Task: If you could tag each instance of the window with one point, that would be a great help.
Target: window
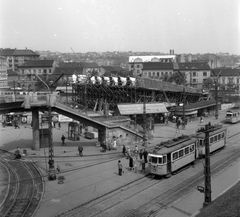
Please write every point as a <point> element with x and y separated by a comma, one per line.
<point>154,159</point>
<point>50,71</point>
<point>160,160</point>
<point>149,74</point>
<point>191,148</point>
<point>201,142</point>
<point>204,73</point>
<point>175,155</point>
<point>162,73</point>
<point>181,153</point>
<point>219,136</point>
<point>215,138</point>
<point>153,73</point>
<point>166,73</point>
<point>137,66</point>
<point>211,139</point>
<point>194,74</point>
<point>45,71</point>
<point>223,135</point>
<point>194,80</point>
<point>186,150</point>
<point>138,71</point>
<point>164,159</point>
<point>157,74</point>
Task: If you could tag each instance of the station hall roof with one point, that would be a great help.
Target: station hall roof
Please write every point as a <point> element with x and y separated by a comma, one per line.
<point>17,52</point>
<point>135,109</point>
<point>197,105</point>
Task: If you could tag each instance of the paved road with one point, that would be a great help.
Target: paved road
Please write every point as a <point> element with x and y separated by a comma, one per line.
<point>82,185</point>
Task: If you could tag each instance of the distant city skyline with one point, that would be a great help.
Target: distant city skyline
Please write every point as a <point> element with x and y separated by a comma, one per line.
<point>185,26</point>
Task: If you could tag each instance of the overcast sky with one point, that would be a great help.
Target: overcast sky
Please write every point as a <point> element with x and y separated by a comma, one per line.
<point>187,26</point>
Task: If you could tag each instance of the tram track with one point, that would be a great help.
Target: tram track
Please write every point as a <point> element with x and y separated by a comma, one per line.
<point>25,189</point>
<point>103,204</point>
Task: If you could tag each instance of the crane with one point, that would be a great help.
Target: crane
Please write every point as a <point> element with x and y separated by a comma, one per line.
<point>74,54</point>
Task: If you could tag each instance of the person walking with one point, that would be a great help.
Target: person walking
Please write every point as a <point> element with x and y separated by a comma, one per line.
<point>80,150</point>
<point>143,165</point>
<point>141,154</point>
<point>145,154</point>
<point>59,125</point>
<point>120,167</point>
<point>63,140</point>
<point>124,150</point>
<point>130,163</point>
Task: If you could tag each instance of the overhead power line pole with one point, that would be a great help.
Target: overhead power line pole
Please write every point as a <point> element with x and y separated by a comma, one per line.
<point>208,190</point>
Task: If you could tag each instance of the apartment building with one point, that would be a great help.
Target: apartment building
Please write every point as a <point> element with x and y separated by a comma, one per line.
<point>3,73</point>
<point>228,78</point>
<point>195,72</point>
<point>16,57</point>
<point>157,69</point>
<point>135,63</point>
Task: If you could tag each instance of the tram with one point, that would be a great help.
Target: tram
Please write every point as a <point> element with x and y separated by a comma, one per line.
<point>170,156</point>
<point>233,115</point>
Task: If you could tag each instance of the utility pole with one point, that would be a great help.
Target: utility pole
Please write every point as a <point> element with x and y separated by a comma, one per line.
<point>144,121</point>
<point>14,90</point>
<point>184,101</point>
<point>208,190</point>
<point>216,97</point>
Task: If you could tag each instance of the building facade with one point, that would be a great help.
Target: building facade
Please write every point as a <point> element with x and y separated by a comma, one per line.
<point>16,57</point>
<point>195,73</point>
<point>227,78</point>
<point>3,73</point>
<point>157,70</point>
<point>135,63</point>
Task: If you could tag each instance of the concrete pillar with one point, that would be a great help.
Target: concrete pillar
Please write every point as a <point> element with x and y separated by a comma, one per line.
<point>35,128</point>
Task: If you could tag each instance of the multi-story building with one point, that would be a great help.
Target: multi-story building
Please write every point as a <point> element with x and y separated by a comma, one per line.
<point>28,70</point>
<point>135,63</point>
<point>157,69</point>
<point>3,73</point>
<point>16,57</point>
<point>227,78</point>
<point>195,73</point>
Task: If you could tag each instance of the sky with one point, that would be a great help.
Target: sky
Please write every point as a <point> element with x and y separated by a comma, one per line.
<point>186,26</point>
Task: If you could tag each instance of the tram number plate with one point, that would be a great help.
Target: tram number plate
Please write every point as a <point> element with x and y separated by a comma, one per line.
<point>200,188</point>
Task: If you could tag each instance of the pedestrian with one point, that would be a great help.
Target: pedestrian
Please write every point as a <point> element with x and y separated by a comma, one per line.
<point>136,149</point>
<point>120,167</point>
<point>145,154</point>
<point>141,154</point>
<point>63,140</point>
<point>59,125</point>
<point>80,150</point>
<point>130,163</point>
<point>128,152</point>
<point>143,165</point>
<point>135,165</point>
<point>17,153</point>
<point>201,119</point>
<point>124,150</point>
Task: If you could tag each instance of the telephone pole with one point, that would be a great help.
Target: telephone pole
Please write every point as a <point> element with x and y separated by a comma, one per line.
<point>144,121</point>
<point>208,190</point>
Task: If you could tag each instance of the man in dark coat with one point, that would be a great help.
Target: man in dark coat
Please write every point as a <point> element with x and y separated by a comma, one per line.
<point>63,140</point>
<point>145,154</point>
<point>80,150</point>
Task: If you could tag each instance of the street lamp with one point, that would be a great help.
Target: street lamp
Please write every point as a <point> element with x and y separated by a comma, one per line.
<point>51,171</point>
<point>184,98</point>
<point>144,121</point>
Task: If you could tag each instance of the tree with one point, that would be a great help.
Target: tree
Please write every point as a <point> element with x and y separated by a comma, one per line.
<point>177,78</point>
<point>208,83</point>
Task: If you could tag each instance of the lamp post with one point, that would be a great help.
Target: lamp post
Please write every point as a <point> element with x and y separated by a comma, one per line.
<point>184,98</point>
<point>67,91</point>
<point>51,169</point>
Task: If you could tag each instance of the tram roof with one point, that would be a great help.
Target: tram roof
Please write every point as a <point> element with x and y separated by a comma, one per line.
<point>165,149</point>
<point>202,134</point>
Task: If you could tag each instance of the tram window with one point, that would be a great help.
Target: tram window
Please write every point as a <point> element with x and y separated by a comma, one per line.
<point>219,136</point>
<point>150,159</point>
<point>160,160</point>
<point>191,148</point>
<point>186,150</point>
<point>215,138</point>
<point>211,139</point>
<point>164,159</point>
<point>223,135</point>
<point>154,160</point>
<point>175,155</point>
<point>181,153</point>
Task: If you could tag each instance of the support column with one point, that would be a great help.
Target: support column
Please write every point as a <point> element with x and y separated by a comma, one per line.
<point>35,128</point>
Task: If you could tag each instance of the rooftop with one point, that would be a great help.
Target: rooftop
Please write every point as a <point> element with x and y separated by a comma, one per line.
<point>37,63</point>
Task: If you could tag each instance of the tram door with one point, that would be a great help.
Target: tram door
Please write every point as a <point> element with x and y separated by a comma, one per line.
<point>169,167</point>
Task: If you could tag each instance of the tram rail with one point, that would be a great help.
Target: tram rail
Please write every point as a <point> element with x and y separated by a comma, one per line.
<point>27,186</point>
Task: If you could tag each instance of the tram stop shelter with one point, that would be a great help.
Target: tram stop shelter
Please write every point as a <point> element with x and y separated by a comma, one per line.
<point>198,109</point>
<point>158,111</point>
<point>74,131</point>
